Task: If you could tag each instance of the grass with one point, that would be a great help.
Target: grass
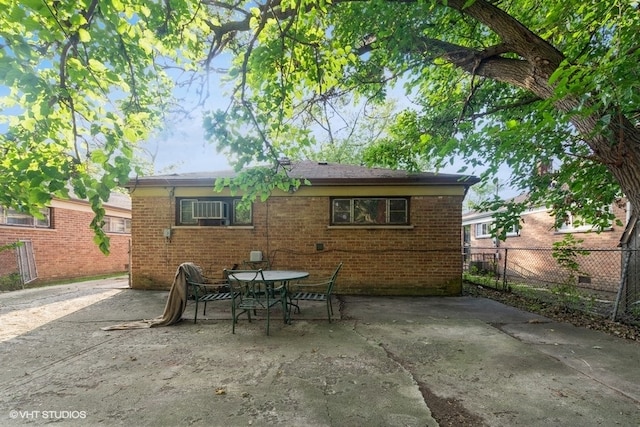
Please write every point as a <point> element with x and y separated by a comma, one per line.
<point>537,296</point>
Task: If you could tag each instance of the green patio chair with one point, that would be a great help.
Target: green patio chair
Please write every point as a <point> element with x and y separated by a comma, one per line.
<point>250,293</point>
<point>204,290</point>
<point>318,291</point>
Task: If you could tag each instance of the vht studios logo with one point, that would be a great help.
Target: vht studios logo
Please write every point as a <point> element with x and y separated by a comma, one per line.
<point>54,415</point>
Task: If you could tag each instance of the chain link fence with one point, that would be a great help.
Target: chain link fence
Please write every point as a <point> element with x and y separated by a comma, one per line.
<point>605,282</point>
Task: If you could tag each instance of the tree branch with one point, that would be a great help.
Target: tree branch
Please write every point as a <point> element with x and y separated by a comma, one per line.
<point>512,32</point>
<point>520,103</point>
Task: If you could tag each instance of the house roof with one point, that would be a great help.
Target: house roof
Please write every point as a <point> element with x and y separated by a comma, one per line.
<point>116,199</point>
<point>119,200</point>
<point>318,173</point>
<point>474,215</point>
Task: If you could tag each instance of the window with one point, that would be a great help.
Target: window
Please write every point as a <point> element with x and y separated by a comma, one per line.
<point>210,211</point>
<point>20,219</point>
<point>369,211</point>
<point>241,216</point>
<point>514,230</point>
<point>574,224</point>
<point>483,229</point>
<point>114,224</point>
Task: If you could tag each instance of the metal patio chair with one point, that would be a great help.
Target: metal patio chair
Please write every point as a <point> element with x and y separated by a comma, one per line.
<point>318,291</point>
<point>204,290</point>
<point>250,293</point>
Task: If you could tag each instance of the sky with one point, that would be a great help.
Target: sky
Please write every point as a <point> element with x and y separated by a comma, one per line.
<point>185,149</point>
<point>182,147</point>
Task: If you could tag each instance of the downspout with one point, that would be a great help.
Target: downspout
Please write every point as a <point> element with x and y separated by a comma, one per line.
<point>267,233</point>
<point>168,231</point>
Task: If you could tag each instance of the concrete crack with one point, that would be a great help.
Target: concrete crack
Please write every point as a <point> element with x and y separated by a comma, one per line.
<point>446,411</point>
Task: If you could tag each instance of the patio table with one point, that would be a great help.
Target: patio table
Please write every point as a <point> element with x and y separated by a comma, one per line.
<point>271,276</point>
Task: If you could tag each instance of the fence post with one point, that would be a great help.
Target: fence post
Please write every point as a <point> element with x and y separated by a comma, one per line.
<point>504,270</point>
<point>623,282</point>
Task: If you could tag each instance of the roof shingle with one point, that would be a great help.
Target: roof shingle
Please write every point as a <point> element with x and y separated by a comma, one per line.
<point>319,173</point>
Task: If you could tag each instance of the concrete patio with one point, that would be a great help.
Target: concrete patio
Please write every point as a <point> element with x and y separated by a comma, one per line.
<point>384,362</point>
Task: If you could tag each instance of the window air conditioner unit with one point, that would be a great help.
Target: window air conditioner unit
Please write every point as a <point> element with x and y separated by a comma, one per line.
<point>210,210</point>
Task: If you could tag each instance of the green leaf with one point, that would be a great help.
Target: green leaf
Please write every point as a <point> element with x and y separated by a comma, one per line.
<point>84,35</point>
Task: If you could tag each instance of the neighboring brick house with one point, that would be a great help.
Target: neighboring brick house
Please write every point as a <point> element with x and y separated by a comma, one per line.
<point>61,245</point>
<point>529,246</point>
<point>396,232</point>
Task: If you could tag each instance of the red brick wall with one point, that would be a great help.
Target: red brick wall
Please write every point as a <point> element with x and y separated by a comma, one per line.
<point>423,260</point>
<point>537,232</point>
<point>67,250</point>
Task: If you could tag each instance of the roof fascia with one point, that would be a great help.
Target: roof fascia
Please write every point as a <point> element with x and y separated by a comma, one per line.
<point>209,182</point>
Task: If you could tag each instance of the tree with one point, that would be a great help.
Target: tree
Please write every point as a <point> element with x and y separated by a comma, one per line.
<point>363,134</point>
<point>82,83</point>
<point>479,194</point>
<point>524,82</point>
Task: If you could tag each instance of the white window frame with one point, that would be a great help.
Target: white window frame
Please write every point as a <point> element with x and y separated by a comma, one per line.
<point>13,218</point>
<point>483,230</point>
<point>514,231</point>
<point>115,224</point>
<point>568,227</point>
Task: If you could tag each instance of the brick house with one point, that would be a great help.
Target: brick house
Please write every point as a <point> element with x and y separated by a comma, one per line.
<point>529,246</point>
<point>60,246</point>
<point>396,232</point>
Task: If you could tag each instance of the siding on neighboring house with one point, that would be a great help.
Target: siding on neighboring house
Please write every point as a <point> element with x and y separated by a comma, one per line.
<point>294,231</point>
<point>67,250</point>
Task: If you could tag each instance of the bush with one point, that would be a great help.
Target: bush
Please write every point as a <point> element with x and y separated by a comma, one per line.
<point>10,282</point>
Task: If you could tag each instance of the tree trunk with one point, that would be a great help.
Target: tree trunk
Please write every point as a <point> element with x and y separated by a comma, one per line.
<point>618,148</point>
<point>537,60</point>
